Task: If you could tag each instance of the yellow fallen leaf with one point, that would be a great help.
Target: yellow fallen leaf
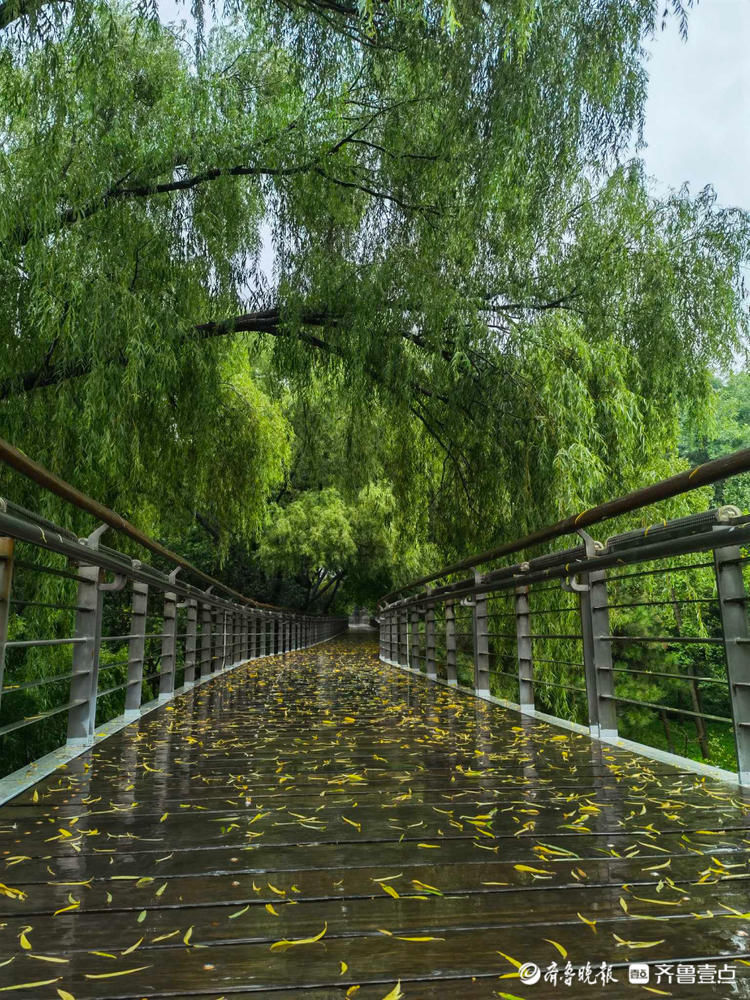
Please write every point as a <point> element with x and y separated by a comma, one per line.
<point>131,949</point>
<point>513,961</point>
<point>351,822</point>
<point>622,943</point>
<point>163,817</point>
<point>10,892</point>
<point>559,947</point>
<point>532,871</point>
<point>432,846</point>
<point>49,958</point>
<point>66,909</point>
<point>30,986</point>
<point>426,887</point>
<point>590,923</point>
<point>399,937</point>
<point>239,913</point>
<point>270,908</point>
<point>352,990</point>
<point>111,975</point>
<point>187,935</point>
<point>166,937</point>
<point>25,943</point>
<point>343,967</point>
<point>64,995</point>
<point>284,944</point>
<point>396,993</point>
<point>390,890</point>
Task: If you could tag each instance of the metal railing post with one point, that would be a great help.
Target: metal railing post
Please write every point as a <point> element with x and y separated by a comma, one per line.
<point>136,649</point>
<point>429,641</point>
<point>191,626</point>
<point>168,646</point>
<point>730,587</point>
<point>414,639</point>
<point>224,639</point>
<point>88,633</point>
<point>450,643</point>
<point>523,647</point>
<point>262,625</point>
<point>481,646</point>
<point>206,643</point>
<point>244,635</point>
<point>402,649</point>
<point>7,546</point>
<point>232,626</point>
<point>597,654</point>
<point>253,635</point>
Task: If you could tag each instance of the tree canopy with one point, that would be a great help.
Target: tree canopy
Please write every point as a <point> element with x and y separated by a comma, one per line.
<point>392,267</point>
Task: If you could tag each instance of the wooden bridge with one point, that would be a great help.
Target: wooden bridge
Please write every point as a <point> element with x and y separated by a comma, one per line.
<point>318,825</point>
<point>298,813</point>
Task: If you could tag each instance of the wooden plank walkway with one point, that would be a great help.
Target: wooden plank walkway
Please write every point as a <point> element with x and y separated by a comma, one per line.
<point>435,839</point>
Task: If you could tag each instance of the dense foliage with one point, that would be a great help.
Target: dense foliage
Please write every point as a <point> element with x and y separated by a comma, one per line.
<point>386,252</point>
<point>326,294</point>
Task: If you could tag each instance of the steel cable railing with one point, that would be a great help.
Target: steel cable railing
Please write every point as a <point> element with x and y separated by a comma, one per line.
<point>641,637</point>
<point>89,634</point>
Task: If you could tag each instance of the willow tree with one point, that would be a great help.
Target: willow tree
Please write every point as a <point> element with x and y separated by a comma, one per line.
<point>456,247</point>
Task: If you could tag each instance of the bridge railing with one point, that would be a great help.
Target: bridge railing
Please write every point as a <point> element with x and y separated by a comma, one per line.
<point>641,638</point>
<point>89,634</point>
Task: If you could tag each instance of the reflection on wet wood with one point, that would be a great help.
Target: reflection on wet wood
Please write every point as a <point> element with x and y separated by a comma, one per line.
<point>408,833</point>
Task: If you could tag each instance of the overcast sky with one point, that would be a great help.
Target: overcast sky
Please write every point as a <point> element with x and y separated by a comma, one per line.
<point>698,111</point>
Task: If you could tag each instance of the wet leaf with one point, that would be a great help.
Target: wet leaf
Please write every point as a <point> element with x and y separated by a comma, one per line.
<point>11,893</point>
<point>396,993</point>
<point>513,961</point>
<point>622,943</point>
<point>563,951</point>
<point>112,975</point>
<point>30,986</point>
<point>67,909</point>
<point>131,949</point>
<point>284,944</point>
<point>400,937</point>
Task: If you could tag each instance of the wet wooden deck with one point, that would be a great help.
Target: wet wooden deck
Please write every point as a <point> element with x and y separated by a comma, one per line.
<point>433,838</point>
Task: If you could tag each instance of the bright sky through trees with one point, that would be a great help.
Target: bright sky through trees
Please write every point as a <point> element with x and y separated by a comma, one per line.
<point>699,100</point>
